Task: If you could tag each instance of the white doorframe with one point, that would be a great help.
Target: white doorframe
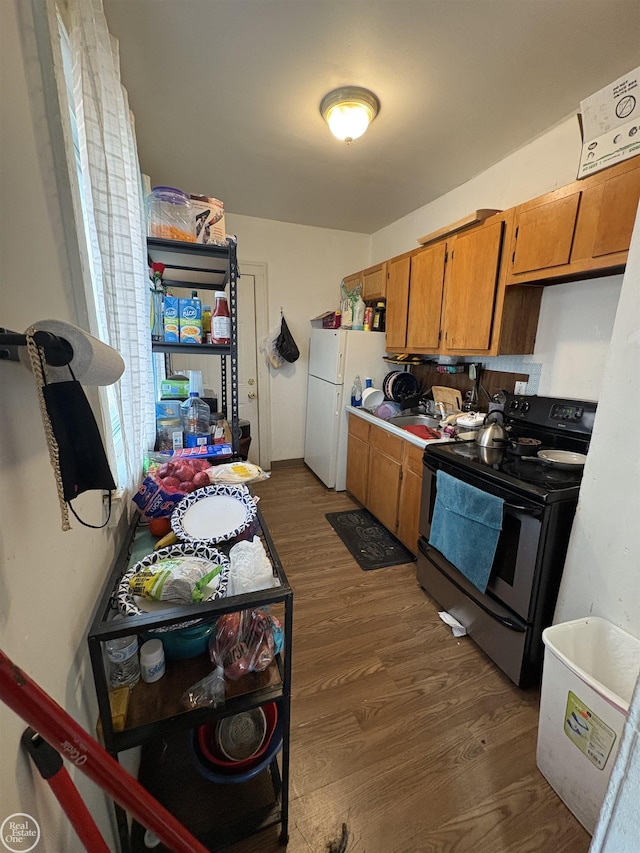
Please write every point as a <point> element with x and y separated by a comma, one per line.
<point>259,272</point>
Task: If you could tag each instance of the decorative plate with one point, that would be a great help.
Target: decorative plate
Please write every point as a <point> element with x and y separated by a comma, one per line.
<point>135,605</point>
<point>213,514</point>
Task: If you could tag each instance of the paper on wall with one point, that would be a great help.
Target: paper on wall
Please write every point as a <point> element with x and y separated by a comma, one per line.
<point>610,122</point>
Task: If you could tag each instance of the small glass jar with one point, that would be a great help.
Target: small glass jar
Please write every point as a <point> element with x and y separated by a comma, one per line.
<point>170,215</point>
<point>168,434</point>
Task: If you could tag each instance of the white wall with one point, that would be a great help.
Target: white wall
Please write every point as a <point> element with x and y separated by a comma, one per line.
<point>305,268</point>
<point>574,330</point>
<point>602,574</point>
<point>49,580</point>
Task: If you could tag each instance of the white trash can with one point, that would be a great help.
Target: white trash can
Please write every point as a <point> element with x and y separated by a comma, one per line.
<point>590,670</point>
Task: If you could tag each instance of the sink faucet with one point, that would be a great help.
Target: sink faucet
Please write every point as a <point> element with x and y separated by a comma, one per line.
<point>440,409</point>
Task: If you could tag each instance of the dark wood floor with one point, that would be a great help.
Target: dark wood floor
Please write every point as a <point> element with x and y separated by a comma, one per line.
<point>411,737</point>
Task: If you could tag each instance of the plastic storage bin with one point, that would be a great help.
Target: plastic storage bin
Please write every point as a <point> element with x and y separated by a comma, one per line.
<point>170,215</point>
<point>590,670</point>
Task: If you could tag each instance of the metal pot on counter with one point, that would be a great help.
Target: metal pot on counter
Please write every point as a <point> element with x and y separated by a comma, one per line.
<point>492,434</point>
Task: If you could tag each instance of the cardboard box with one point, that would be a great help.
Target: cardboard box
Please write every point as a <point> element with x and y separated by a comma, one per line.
<point>328,320</point>
<point>209,215</point>
<point>609,122</point>
<point>171,325</point>
<point>190,321</point>
<point>174,388</point>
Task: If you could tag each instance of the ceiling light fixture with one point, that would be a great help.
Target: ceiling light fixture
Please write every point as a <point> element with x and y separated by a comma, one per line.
<point>349,111</point>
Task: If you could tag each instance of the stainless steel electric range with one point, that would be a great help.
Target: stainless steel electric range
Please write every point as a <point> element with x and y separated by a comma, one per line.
<point>507,620</point>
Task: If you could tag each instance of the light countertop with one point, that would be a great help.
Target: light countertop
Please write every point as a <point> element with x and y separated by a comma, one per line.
<point>395,430</point>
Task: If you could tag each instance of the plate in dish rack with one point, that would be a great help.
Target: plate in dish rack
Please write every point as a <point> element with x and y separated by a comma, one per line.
<point>135,605</point>
<point>213,514</point>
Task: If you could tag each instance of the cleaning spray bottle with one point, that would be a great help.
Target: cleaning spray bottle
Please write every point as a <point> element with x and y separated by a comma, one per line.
<point>356,392</point>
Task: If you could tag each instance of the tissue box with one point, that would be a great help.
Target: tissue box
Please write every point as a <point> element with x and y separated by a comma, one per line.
<point>171,326</point>
<point>209,220</point>
<point>190,321</point>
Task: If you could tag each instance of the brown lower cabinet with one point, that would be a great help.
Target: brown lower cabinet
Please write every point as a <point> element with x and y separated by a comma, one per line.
<point>384,473</point>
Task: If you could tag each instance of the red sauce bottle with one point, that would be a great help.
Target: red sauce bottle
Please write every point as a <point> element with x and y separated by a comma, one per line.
<point>220,321</point>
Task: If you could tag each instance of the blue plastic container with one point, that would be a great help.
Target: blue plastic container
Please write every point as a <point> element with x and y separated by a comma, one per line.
<point>183,643</point>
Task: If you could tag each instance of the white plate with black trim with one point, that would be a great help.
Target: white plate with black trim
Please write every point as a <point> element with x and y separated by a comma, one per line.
<point>214,514</point>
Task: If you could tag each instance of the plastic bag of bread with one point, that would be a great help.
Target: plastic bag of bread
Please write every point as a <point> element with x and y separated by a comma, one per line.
<point>245,641</point>
<point>236,472</point>
<point>179,579</point>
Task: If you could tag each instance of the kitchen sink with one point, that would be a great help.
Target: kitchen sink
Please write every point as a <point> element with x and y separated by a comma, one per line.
<point>415,420</point>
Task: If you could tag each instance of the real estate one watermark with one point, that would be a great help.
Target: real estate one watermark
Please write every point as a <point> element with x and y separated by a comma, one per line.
<point>20,832</point>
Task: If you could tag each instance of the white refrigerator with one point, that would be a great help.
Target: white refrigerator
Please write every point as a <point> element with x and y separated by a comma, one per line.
<point>336,357</point>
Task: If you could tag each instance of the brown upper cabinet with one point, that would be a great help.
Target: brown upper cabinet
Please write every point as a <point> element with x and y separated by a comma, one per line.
<point>470,288</point>
<point>478,291</point>
<point>450,297</point>
<point>414,299</point>
<point>374,282</point>
<point>578,231</point>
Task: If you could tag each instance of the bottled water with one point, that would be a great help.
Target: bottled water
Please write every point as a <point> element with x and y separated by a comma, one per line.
<point>195,414</point>
<point>124,666</point>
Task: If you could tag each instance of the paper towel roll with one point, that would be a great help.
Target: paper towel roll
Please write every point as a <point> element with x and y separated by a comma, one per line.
<point>93,362</point>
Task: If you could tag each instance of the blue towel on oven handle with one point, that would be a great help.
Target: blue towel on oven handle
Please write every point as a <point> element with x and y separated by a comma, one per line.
<point>466,527</point>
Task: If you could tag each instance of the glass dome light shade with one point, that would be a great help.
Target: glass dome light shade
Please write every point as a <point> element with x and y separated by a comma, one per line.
<point>349,111</point>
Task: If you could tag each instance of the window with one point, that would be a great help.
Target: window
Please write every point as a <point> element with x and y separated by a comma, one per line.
<point>109,217</point>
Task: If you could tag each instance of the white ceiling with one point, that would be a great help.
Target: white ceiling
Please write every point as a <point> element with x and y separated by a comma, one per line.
<point>226,94</point>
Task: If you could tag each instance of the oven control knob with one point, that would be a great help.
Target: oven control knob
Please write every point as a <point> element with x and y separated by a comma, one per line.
<point>514,404</point>
<point>526,405</point>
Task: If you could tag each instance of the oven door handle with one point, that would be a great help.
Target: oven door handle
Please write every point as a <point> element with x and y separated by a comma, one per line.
<point>503,620</point>
<point>530,510</point>
<point>533,510</point>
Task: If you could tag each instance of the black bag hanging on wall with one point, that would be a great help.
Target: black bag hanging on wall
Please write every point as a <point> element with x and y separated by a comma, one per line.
<point>75,444</point>
<point>286,345</point>
<point>83,462</point>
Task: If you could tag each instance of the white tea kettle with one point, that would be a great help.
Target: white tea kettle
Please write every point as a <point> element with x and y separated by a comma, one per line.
<point>492,433</point>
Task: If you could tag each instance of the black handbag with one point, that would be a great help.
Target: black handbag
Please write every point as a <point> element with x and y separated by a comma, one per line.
<point>286,345</point>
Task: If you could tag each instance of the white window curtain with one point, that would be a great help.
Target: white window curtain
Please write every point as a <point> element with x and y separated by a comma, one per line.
<point>114,216</point>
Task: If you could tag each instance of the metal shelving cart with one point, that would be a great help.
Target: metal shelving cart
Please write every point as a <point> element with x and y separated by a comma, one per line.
<point>216,814</point>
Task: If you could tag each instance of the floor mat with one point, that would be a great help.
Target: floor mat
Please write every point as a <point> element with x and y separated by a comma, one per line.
<point>368,541</point>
